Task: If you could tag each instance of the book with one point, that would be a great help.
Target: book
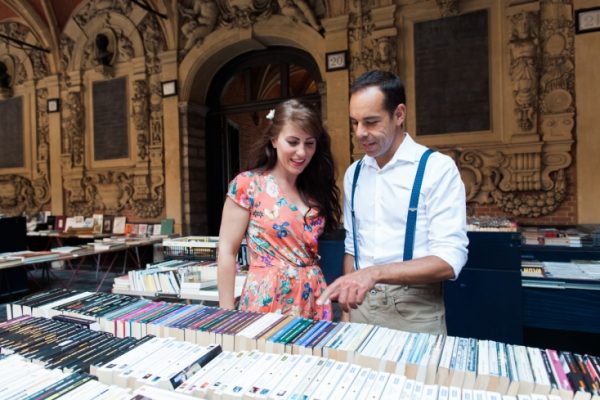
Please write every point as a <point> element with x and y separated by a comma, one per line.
<point>98,223</point>
<point>575,375</point>
<point>167,226</point>
<point>119,223</point>
<point>60,223</point>
<point>344,383</point>
<point>107,224</point>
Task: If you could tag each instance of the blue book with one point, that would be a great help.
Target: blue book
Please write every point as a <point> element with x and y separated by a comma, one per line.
<point>277,335</point>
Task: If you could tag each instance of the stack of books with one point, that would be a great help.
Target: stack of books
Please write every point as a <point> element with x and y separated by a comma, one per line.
<point>491,224</point>
<point>179,278</point>
<point>554,237</point>
<point>22,379</point>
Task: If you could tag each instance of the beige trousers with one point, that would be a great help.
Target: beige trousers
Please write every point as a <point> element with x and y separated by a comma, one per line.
<point>415,308</point>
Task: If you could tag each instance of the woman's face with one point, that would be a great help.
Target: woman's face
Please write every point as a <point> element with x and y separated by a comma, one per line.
<point>295,148</point>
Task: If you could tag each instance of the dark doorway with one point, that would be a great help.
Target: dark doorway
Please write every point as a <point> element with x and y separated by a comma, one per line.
<point>240,96</point>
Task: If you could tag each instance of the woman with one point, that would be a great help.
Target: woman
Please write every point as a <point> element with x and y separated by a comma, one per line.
<point>281,204</point>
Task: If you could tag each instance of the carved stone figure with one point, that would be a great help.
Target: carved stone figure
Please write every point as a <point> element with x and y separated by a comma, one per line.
<point>385,57</point>
<point>448,7</point>
<point>66,48</point>
<point>523,71</point>
<point>103,55</point>
<point>74,124</point>
<point>556,73</point>
<point>125,47</point>
<point>243,13</point>
<point>200,20</point>
<point>140,105</point>
<point>4,76</point>
<point>299,11</point>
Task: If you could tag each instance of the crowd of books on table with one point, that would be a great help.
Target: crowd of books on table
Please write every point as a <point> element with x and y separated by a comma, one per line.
<point>214,353</point>
<point>172,277</point>
<point>580,236</point>
<point>588,270</point>
<point>98,224</point>
<point>190,267</point>
<point>104,233</point>
<point>491,224</point>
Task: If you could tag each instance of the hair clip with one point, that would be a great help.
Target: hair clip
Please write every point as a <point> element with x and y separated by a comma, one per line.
<point>271,114</point>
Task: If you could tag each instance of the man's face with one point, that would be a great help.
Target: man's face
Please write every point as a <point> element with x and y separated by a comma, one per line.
<point>378,132</point>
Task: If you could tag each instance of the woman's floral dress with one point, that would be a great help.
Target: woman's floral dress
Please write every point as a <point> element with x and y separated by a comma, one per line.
<point>284,274</point>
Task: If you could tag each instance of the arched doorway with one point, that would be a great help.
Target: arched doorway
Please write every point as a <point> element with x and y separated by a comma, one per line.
<point>239,97</point>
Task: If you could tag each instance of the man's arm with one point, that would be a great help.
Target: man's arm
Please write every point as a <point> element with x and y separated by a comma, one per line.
<point>351,289</point>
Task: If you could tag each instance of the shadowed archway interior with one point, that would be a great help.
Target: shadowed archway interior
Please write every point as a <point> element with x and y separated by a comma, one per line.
<point>239,98</point>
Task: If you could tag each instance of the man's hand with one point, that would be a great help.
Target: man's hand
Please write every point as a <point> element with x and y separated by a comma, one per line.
<point>350,290</point>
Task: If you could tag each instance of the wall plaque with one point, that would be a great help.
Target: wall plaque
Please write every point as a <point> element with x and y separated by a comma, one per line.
<point>452,74</point>
<point>11,133</point>
<point>111,137</point>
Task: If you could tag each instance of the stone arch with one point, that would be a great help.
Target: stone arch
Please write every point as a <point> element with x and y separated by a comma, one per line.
<point>223,45</point>
<point>196,71</point>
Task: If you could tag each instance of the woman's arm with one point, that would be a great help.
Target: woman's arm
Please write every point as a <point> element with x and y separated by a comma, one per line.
<point>234,224</point>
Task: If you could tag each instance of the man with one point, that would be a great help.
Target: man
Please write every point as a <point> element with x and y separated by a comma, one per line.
<point>382,283</point>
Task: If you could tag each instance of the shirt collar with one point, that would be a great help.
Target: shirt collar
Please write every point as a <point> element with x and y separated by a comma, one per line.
<point>407,152</point>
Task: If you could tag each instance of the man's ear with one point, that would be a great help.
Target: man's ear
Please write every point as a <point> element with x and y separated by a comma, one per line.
<point>400,114</point>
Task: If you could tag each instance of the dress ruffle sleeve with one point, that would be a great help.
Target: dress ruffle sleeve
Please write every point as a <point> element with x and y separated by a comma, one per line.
<point>242,189</point>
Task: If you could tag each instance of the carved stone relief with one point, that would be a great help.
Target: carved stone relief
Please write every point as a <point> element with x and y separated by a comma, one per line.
<point>66,49</point>
<point>93,8</point>
<point>73,132</point>
<point>372,43</point>
<point>140,117</point>
<point>524,175</point>
<point>154,43</point>
<point>20,195</point>
<point>41,176</point>
<point>243,13</point>
<point>29,191</point>
<point>124,47</point>
<point>372,38</point>
<point>113,189</point>
<point>299,11</point>
<point>448,7</point>
<point>20,73</point>
<point>524,61</point>
<point>528,179</point>
<point>198,19</point>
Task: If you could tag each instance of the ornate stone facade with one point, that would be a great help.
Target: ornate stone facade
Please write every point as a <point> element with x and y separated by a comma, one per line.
<point>134,185</point>
<point>27,189</point>
<point>520,167</point>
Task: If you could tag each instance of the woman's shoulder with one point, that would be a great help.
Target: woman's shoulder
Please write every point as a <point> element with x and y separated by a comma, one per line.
<point>248,180</point>
<point>250,175</point>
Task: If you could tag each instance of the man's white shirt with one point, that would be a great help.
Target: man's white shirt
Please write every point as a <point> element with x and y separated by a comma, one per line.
<point>381,204</point>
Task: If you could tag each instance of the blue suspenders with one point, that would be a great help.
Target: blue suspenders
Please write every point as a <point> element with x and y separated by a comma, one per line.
<point>411,220</point>
<point>354,180</point>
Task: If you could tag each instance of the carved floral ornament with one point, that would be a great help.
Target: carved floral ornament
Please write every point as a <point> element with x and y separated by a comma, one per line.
<point>20,195</point>
<point>515,183</point>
